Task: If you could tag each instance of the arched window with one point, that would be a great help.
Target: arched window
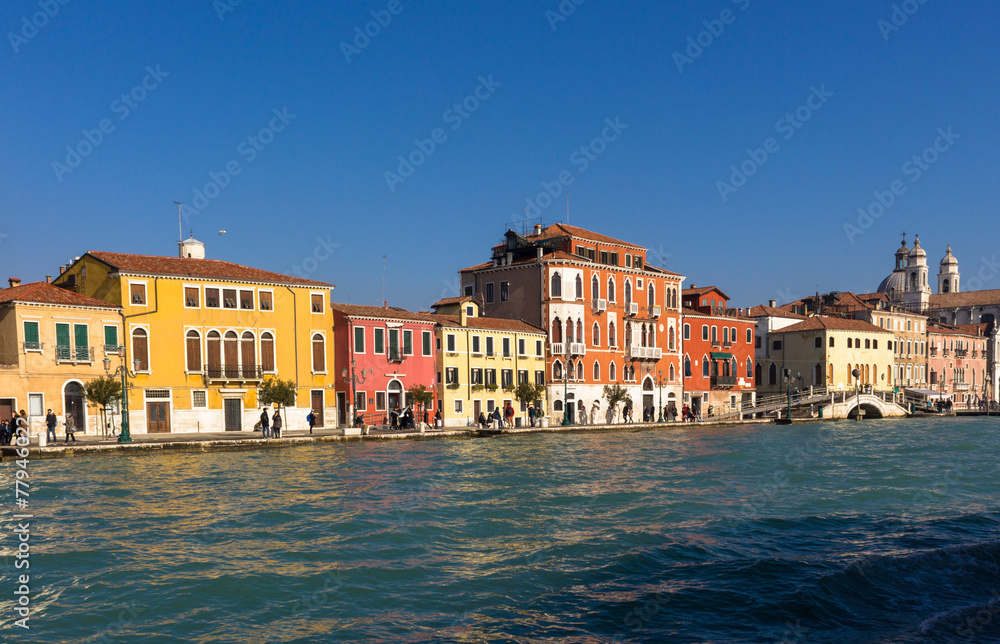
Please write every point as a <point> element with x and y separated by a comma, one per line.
<point>557,370</point>
<point>772,374</point>
<point>687,366</point>
<point>715,334</point>
<point>557,406</point>
<point>831,341</point>
<point>214,345</point>
<point>758,374</point>
<point>628,334</point>
<point>569,331</point>
<point>579,287</point>
<point>597,371</point>
<point>579,370</point>
<point>612,371</point>
<point>595,288</point>
<point>611,289</point>
<point>673,300</point>
<point>945,287</point>
<point>140,348</point>
<point>579,332</point>
<point>596,335</point>
<point>556,331</point>
<point>628,292</point>
<point>248,355</point>
<point>193,351</point>
<point>267,352</point>
<point>231,354</point>
<point>671,339</point>
<point>849,343</point>
<point>704,367</point>
<point>829,374</point>
<point>652,295</point>
<point>673,374</point>
<point>319,353</point>
<point>725,334</point>
<point>749,368</point>
<point>652,335</point>
<point>687,331</point>
<point>645,338</point>
<point>734,368</point>
<point>556,290</point>
<point>612,341</point>
<point>570,371</point>
<point>749,336</point>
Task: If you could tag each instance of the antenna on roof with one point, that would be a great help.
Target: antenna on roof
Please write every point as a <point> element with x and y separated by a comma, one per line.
<point>180,226</point>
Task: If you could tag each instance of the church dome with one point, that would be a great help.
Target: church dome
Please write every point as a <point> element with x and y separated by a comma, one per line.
<point>949,259</point>
<point>895,283</point>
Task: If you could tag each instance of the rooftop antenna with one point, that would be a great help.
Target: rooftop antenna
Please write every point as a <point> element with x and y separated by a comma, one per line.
<point>180,227</point>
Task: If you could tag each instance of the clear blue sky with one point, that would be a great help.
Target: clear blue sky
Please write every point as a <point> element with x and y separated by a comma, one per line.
<point>323,175</point>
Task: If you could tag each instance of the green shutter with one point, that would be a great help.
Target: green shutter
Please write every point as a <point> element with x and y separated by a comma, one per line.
<point>359,339</point>
<point>62,342</point>
<point>111,336</point>
<point>394,342</point>
<point>31,335</point>
<point>82,341</point>
<point>379,340</point>
<point>427,343</point>
<point>407,343</point>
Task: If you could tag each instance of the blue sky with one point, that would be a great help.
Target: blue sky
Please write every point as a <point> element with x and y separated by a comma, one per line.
<point>314,196</point>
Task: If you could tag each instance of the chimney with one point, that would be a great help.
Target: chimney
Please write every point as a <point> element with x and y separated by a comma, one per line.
<point>693,286</point>
<point>538,229</point>
<point>48,279</point>
<point>62,269</point>
<point>14,281</point>
<point>772,303</point>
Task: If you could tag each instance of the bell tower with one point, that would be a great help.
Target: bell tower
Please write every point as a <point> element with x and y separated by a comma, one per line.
<point>948,275</point>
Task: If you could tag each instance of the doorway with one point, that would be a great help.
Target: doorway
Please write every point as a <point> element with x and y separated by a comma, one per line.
<point>74,404</point>
<point>395,396</point>
<point>233,410</point>
<point>342,408</point>
<point>157,417</point>
<point>7,406</point>
<point>317,406</point>
<point>477,408</point>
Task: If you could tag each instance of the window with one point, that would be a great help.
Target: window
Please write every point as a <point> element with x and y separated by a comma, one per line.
<point>491,377</point>
<point>246,300</point>
<point>451,342</point>
<point>31,338</point>
<point>193,351</point>
<point>613,259</point>
<point>687,366</point>
<point>611,290</point>
<point>504,291</point>
<point>211,298</point>
<point>476,377</point>
<point>831,342</point>
<point>725,334</point>
<point>489,293</point>
<point>394,344</point>
<point>539,377</point>
<point>214,354</point>
<point>522,350</point>
<point>199,399</point>
<point>458,405</point>
<point>597,370</point>
<point>612,340</point>
<point>379,341</point>
<point>507,378</point>
<point>749,369</point>
<point>137,293</point>
<point>715,334</point>
<point>749,336</point>
<point>556,289</point>
<point>868,343</point>
<point>489,346</point>
<point>36,405</point>
<point>267,352</point>
<point>111,339</point>
<point>140,348</point>
<point>704,332</point>
<point>595,288</point>
<point>451,375</point>
<point>687,331</point>
<point>360,401</point>
<point>319,353</point>
<point>579,287</point>
<point>426,348</point>
<point>704,366</point>
<point>850,343</point>
<point>596,335</point>
<point>819,342</point>
<point>191,297</point>
<point>637,262</point>
<point>776,346</point>
<point>604,257</point>
<point>248,355</point>
<point>264,299</point>
<point>476,344</point>
<point>229,298</point>
<point>317,302</point>
<point>612,372</point>
<point>407,343</point>
<point>628,261</point>
<point>539,348</point>
<point>359,339</point>
<point>379,401</point>
<point>506,347</point>
<point>467,289</point>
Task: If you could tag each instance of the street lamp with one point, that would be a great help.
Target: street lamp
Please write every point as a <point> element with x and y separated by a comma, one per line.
<point>659,382</point>
<point>354,380</point>
<point>857,391</point>
<point>124,436</point>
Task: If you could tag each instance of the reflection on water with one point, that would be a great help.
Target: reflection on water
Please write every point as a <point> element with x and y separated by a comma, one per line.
<point>876,531</point>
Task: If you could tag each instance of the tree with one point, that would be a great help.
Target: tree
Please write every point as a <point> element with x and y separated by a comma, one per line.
<point>104,391</point>
<point>529,394</point>
<point>616,394</point>
<point>275,391</point>
<point>420,395</point>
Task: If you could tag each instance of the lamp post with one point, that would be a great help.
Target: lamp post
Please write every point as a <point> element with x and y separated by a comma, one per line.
<point>353,381</point>
<point>124,436</point>
<point>857,391</point>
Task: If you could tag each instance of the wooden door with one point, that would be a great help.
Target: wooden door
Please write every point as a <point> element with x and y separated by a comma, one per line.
<point>157,417</point>
<point>6,408</point>
<point>317,407</point>
<point>233,409</point>
<point>342,408</point>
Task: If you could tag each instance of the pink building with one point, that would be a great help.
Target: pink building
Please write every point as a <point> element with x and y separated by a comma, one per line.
<point>382,352</point>
<point>957,362</point>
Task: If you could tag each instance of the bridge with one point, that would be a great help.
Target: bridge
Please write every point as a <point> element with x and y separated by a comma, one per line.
<point>826,403</point>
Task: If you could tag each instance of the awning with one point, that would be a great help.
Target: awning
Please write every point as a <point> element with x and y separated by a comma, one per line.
<point>928,393</point>
<point>722,356</point>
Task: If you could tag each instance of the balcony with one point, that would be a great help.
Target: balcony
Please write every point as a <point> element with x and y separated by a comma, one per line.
<point>724,382</point>
<point>716,344</point>
<point>74,354</point>
<point>578,349</point>
<point>655,312</point>
<point>726,344</point>
<point>645,353</point>
<point>395,355</point>
<point>231,373</point>
<point>31,346</point>
<point>600,306</point>
<point>932,351</point>
<point>961,353</point>
<point>962,386</point>
<point>558,348</point>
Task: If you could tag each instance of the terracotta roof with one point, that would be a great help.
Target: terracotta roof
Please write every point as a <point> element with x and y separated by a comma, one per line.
<point>686,312</point>
<point>969,298</point>
<point>490,324</point>
<point>44,293</point>
<point>701,290</point>
<point>947,329</point>
<point>565,230</point>
<point>391,313</point>
<point>762,311</point>
<point>559,255</point>
<point>200,268</point>
<point>819,322</point>
<point>452,300</point>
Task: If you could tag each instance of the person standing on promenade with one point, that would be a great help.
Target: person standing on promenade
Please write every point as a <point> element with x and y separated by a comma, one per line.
<point>531,415</point>
<point>311,419</point>
<point>508,413</point>
<point>4,429</point>
<point>276,423</point>
<point>265,422</point>
<point>50,427</point>
<point>70,427</point>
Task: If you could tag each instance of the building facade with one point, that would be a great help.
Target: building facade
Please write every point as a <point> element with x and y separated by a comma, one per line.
<point>957,359</point>
<point>606,311</point>
<point>206,334</point>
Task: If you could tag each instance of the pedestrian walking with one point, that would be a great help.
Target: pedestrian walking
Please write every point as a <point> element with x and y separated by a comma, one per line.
<point>70,427</point>
<point>276,424</point>
<point>265,423</point>
<point>311,419</point>
<point>50,427</point>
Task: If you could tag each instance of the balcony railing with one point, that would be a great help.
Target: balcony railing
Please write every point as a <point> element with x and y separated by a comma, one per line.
<point>724,382</point>
<point>961,353</point>
<point>234,372</point>
<point>577,348</point>
<point>645,353</point>
<point>655,311</point>
<point>74,354</point>
<point>726,344</point>
<point>933,352</point>
<point>31,346</point>
<point>716,344</point>
<point>395,355</point>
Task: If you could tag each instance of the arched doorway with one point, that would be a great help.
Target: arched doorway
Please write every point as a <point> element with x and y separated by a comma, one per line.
<point>74,403</point>
<point>647,393</point>
<point>395,394</point>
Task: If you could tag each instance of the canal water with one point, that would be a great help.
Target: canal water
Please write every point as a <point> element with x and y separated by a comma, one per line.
<point>880,531</point>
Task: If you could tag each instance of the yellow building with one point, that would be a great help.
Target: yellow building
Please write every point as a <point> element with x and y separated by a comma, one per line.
<point>206,333</point>
<point>482,360</point>
<point>52,342</point>
<point>824,351</point>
